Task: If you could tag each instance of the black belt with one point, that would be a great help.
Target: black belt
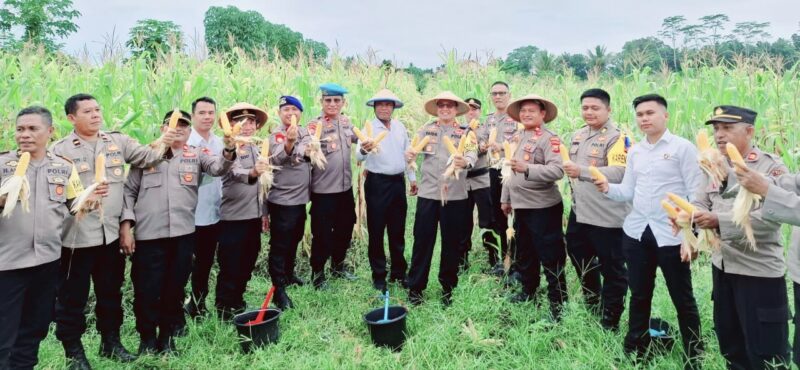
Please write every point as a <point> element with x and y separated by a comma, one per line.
<point>399,176</point>
<point>478,172</point>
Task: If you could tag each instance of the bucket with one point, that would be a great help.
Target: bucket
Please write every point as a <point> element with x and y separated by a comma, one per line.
<point>258,335</point>
<point>390,333</point>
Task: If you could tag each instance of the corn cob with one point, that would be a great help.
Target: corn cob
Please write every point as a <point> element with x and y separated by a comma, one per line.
<point>265,180</point>
<point>359,134</point>
<point>506,171</point>
<point>87,201</point>
<point>17,187</point>
<point>100,168</point>
<point>368,128</point>
<point>414,141</point>
<point>226,124</point>
<point>682,203</point>
<point>473,125</point>
<point>422,143</point>
<point>507,149</point>
<point>173,119</point>
<point>702,141</point>
<point>462,144</point>
<point>380,137</point>
<point>449,145</point>
<point>596,174</point>
<point>564,153</point>
<point>672,212</point>
<point>293,121</point>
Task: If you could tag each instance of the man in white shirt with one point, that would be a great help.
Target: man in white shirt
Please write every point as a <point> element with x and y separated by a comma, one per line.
<point>204,112</point>
<point>659,164</point>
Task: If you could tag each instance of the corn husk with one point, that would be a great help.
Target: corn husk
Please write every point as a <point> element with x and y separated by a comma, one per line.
<point>87,201</point>
<point>711,161</point>
<point>506,171</point>
<point>745,200</point>
<point>315,149</point>
<point>17,188</point>
<point>266,179</point>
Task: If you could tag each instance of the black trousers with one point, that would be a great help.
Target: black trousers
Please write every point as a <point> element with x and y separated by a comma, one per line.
<point>159,272</point>
<point>482,198</point>
<point>430,215</point>
<point>751,319</point>
<point>205,248</point>
<point>386,210</point>
<point>499,219</point>
<point>796,346</point>
<point>333,217</point>
<point>287,224</point>
<point>27,296</point>
<point>643,258</point>
<point>597,251</point>
<point>540,241</point>
<point>105,266</point>
<point>239,245</point>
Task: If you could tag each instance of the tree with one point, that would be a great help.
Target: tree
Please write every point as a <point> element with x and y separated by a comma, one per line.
<point>671,30</point>
<point>43,22</point>
<point>598,58</point>
<point>693,35</point>
<point>715,23</point>
<point>577,63</point>
<point>646,52</point>
<point>520,60</point>
<point>545,64</point>
<point>317,49</point>
<point>151,38</point>
<point>748,32</point>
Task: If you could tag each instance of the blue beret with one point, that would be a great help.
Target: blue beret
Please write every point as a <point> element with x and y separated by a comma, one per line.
<point>290,100</point>
<point>332,89</point>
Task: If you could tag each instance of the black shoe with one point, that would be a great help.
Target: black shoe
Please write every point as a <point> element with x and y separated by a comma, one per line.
<point>295,280</point>
<point>194,309</point>
<point>147,346</point>
<point>111,347</point>
<point>319,280</point>
<point>415,298</point>
<point>282,299</point>
<point>521,297</point>
<point>166,344</point>
<point>498,270</point>
<point>447,297</point>
<point>343,274</point>
<point>76,356</point>
<point>610,323</point>
<point>380,285</point>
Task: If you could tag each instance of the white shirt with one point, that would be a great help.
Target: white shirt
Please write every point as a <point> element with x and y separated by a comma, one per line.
<point>391,159</point>
<point>669,165</point>
<point>209,194</point>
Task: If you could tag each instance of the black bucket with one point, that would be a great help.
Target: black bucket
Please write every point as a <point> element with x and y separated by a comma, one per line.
<point>258,335</point>
<point>390,333</point>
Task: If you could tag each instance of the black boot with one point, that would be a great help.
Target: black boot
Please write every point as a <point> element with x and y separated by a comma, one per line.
<point>282,299</point>
<point>147,345</point>
<point>447,297</point>
<point>111,347</point>
<point>342,272</point>
<point>295,280</point>
<point>76,357</point>
<point>166,342</point>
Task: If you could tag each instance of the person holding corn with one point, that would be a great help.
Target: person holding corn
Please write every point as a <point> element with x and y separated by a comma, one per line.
<point>751,304</point>
<point>442,195</point>
<point>532,195</point>
<point>594,230</point>
<point>384,187</point>
<point>287,197</point>
<point>160,201</point>
<point>662,163</point>
<point>33,214</point>
<point>91,241</point>
<point>240,215</point>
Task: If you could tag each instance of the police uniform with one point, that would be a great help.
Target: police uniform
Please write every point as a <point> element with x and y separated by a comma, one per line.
<point>594,230</point>
<point>29,256</point>
<point>91,247</point>
<point>451,216</point>
<point>333,209</point>
<point>538,211</point>
<point>506,129</point>
<point>160,201</point>
<point>479,194</point>
<point>240,239</point>
<point>287,202</point>
<point>751,309</point>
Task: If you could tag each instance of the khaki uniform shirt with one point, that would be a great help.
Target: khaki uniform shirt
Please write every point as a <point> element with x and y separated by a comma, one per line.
<point>161,200</point>
<point>507,128</point>
<point>782,204</point>
<point>291,183</point>
<point>435,162</point>
<point>536,188</point>
<point>239,190</point>
<point>119,149</point>
<point>34,238</point>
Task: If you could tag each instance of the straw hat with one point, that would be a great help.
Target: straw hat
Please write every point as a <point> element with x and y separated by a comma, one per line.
<point>461,106</point>
<point>385,95</point>
<point>239,110</point>
<point>550,108</point>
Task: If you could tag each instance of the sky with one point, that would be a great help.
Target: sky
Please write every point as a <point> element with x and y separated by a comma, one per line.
<point>419,31</point>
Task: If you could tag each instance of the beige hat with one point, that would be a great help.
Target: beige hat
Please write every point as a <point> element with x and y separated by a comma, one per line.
<point>550,108</point>
<point>239,110</point>
<point>385,95</point>
<point>430,105</point>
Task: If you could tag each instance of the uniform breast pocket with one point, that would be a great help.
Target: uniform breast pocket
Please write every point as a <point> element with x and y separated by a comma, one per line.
<point>330,144</point>
<point>151,180</point>
<point>114,168</point>
<point>189,178</point>
<point>58,188</point>
<point>597,157</point>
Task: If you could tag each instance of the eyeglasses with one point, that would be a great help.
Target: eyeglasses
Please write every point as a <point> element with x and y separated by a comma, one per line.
<point>332,100</point>
<point>499,93</point>
<point>446,105</point>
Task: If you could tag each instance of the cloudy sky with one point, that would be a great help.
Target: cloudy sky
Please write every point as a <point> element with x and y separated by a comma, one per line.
<point>419,30</point>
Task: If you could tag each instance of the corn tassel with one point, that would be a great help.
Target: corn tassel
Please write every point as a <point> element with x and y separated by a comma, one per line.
<point>745,200</point>
<point>87,201</point>
<point>315,148</point>
<point>17,187</point>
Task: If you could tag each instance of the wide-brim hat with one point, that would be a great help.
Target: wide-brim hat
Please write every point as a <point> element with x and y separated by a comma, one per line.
<point>239,110</point>
<point>385,95</point>
<point>461,106</point>
<point>549,107</point>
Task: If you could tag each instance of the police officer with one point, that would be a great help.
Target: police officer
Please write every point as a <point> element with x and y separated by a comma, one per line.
<point>594,230</point>
<point>506,129</point>
<point>534,197</point>
<point>442,201</point>
<point>287,198</point>
<point>384,189</point>
<point>751,308</point>
<point>160,201</point>
<point>91,249</point>
<point>31,244</point>
<point>333,209</point>
<point>241,223</point>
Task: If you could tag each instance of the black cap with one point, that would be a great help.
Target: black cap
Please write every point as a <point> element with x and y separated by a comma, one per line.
<point>732,114</point>
<point>185,117</point>
<point>474,102</point>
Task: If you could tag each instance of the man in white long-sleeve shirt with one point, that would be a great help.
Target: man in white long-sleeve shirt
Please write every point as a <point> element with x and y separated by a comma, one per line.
<point>661,163</point>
